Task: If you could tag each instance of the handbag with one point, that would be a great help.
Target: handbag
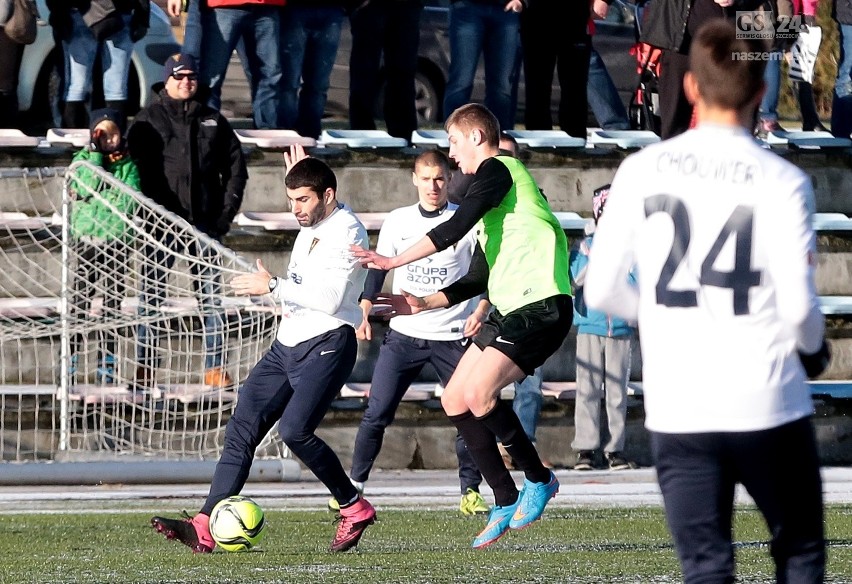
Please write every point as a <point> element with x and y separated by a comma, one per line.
<point>804,54</point>
<point>6,8</point>
<point>21,26</point>
<point>103,19</point>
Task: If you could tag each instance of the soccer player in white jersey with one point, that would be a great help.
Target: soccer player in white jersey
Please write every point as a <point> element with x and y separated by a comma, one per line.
<point>435,336</point>
<point>314,352</point>
<point>719,231</point>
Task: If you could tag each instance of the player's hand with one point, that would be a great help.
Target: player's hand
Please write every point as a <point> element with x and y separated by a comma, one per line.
<point>254,283</point>
<point>174,7</point>
<point>473,324</point>
<point>95,145</point>
<point>816,363</point>
<point>725,3</point>
<point>370,259</point>
<point>600,9</point>
<point>388,306</point>
<point>296,153</point>
<point>514,6</point>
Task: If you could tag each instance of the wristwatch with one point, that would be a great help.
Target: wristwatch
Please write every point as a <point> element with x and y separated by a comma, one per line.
<point>273,282</point>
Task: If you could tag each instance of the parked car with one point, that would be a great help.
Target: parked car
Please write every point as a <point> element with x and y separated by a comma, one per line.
<point>613,40</point>
<point>40,77</point>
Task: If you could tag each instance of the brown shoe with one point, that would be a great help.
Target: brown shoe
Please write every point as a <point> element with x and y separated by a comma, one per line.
<point>217,377</point>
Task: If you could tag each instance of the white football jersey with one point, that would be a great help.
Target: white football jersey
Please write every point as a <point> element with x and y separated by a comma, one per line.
<point>402,228</point>
<point>324,279</point>
<point>719,231</point>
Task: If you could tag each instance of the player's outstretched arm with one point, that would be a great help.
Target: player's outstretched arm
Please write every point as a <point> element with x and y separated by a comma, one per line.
<point>372,260</point>
<point>252,284</point>
<point>407,303</point>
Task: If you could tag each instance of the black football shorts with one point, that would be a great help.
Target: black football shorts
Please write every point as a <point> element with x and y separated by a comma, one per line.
<point>530,334</point>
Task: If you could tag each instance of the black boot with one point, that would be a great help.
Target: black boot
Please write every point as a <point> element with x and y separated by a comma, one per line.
<point>74,115</point>
<point>810,118</point>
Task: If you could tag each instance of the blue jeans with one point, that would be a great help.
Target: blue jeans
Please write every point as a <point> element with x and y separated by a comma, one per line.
<point>603,97</point>
<point>259,27</point>
<point>155,274</point>
<point>192,31</point>
<point>309,39</point>
<point>80,54</point>
<point>841,109</point>
<point>527,402</point>
<point>484,29</point>
<point>772,78</point>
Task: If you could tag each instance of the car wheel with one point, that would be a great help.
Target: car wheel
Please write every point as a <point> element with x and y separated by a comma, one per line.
<point>427,100</point>
<point>44,113</point>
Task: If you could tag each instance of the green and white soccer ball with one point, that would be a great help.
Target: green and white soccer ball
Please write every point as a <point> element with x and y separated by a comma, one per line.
<point>237,524</point>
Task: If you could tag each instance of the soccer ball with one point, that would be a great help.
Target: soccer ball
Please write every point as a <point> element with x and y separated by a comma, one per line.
<point>237,524</point>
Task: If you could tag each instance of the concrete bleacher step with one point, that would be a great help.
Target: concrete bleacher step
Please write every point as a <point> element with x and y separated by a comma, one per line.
<point>20,390</point>
<point>437,138</point>
<point>76,137</point>
<point>185,393</point>
<point>274,139</point>
<point>93,394</point>
<point>546,139</point>
<point>621,138</point>
<point>16,139</point>
<point>807,140</point>
<point>361,139</point>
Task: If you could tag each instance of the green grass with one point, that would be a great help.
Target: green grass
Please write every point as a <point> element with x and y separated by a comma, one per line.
<point>569,545</point>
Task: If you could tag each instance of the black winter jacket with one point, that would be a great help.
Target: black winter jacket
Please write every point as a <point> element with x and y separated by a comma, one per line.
<point>190,161</point>
<point>666,24</point>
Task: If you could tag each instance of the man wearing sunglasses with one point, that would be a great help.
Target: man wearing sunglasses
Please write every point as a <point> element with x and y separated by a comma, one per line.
<point>191,163</point>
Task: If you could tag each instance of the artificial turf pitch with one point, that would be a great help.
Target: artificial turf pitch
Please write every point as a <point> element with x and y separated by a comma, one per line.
<point>568,545</point>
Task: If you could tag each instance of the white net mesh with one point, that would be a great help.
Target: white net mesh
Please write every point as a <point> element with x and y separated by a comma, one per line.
<point>117,336</point>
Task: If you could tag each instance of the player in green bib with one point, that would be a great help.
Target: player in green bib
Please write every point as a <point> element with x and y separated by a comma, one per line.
<point>521,260</point>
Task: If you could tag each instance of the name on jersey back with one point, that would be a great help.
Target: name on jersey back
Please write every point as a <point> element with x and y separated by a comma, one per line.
<point>717,169</point>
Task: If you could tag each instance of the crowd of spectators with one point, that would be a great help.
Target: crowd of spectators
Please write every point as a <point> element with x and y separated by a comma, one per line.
<point>288,49</point>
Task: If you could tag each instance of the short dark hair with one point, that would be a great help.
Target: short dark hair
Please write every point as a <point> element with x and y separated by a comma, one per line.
<point>432,158</point>
<point>475,116</point>
<point>312,173</point>
<point>511,140</point>
<point>724,77</point>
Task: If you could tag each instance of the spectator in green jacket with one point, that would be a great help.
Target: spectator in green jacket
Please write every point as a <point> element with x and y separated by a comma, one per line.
<point>101,217</point>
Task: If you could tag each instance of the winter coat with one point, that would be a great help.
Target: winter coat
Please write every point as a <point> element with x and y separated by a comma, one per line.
<point>93,217</point>
<point>664,23</point>
<point>190,161</point>
<point>587,320</point>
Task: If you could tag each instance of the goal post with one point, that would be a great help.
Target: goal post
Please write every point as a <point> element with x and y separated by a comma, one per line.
<point>123,307</point>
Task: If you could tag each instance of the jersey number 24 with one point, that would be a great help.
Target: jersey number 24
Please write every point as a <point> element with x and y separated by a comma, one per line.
<point>739,225</point>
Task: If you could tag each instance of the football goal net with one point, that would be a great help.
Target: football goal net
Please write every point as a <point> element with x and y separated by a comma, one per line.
<point>118,333</point>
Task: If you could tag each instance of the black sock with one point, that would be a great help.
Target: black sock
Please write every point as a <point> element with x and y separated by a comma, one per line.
<point>504,423</point>
<point>483,448</point>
